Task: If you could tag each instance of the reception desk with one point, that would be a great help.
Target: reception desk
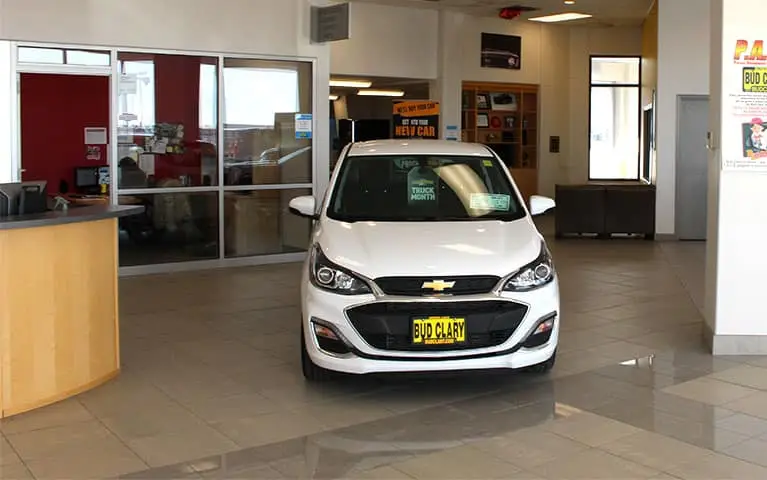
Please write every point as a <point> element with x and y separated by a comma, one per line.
<point>59,332</point>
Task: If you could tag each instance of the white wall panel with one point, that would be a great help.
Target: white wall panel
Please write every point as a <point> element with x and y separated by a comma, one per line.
<point>389,41</point>
<point>241,26</point>
<point>683,69</point>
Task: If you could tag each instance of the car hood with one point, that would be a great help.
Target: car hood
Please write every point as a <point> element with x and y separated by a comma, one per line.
<point>381,249</point>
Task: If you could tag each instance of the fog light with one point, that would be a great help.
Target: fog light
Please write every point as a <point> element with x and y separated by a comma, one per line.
<point>544,326</point>
<point>325,332</point>
<point>328,340</point>
<point>542,333</point>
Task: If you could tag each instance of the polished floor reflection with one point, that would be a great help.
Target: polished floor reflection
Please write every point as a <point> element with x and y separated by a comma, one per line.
<point>211,388</point>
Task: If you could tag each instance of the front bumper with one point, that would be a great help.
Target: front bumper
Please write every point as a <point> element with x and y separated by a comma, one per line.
<point>368,356</point>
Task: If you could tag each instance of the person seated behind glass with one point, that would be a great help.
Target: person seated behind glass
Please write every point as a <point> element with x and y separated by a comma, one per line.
<point>131,175</point>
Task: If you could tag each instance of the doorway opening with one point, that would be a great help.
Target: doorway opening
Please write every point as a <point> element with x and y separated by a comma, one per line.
<point>691,167</point>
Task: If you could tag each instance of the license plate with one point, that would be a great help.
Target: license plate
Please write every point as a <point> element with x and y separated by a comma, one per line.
<point>439,331</point>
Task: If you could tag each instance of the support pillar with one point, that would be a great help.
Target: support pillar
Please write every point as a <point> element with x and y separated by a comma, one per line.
<point>446,89</point>
<point>9,161</point>
<point>736,255</point>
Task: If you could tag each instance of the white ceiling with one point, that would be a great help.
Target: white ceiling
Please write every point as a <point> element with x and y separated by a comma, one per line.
<point>610,12</point>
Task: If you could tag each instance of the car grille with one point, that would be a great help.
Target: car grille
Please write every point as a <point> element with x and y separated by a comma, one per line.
<point>413,286</point>
<point>388,325</point>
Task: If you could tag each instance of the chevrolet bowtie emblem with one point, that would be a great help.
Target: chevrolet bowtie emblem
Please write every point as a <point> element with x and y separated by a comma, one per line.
<point>438,285</point>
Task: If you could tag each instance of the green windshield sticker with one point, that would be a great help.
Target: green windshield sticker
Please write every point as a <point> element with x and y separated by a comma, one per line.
<point>487,163</point>
<point>422,185</point>
<point>490,201</point>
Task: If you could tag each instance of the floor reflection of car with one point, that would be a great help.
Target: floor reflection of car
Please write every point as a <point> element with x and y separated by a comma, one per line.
<point>425,258</point>
<point>334,454</point>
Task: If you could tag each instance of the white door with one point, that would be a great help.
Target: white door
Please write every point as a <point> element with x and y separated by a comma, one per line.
<point>691,167</point>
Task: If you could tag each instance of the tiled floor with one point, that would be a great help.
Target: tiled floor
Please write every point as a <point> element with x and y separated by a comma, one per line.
<point>211,388</point>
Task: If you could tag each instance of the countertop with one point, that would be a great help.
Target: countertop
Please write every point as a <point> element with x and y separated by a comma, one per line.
<point>72,215</point>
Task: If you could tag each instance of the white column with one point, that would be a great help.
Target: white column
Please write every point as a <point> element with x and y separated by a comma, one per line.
<point>736,256</point>
<point>447,88</point>
<point>9,168</point>
<point>321,115</point>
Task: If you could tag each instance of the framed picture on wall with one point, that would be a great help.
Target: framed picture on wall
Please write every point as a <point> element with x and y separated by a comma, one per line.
<point>503,101</point>
<point>483,120</point>
<point>501,51</point>
<point>483,101</point>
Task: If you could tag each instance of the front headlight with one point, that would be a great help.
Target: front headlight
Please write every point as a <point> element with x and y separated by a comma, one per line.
<point>329,276</point>
<point>533,275</point>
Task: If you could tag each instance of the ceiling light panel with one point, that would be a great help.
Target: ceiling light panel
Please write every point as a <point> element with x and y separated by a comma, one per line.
<point>381,93</point>
<point>339,82</point>
<point>561,17</point>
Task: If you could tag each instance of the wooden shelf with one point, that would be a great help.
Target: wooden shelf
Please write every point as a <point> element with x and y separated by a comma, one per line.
<point>509,125</point>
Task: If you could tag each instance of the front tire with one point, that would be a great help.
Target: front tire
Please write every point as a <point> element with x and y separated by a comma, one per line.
<point>311,371</point>
<point>543,367</point>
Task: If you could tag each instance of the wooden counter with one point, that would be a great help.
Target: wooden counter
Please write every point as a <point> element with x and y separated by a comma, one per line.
<point>59,331</point>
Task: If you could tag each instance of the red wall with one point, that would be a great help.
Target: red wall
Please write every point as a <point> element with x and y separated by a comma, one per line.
<point>54,111</point>
<point>177,100</point>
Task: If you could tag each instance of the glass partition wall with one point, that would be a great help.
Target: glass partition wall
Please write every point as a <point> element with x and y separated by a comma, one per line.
<point>208,146</point>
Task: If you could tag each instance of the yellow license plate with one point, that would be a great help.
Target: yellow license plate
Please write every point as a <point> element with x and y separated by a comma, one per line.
<point>439,331</point>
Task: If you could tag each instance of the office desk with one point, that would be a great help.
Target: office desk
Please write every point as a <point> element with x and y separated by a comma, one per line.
<point>59,332</point>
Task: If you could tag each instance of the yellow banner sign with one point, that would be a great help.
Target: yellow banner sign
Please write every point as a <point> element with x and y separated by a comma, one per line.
<point>416,108</point>
<point>755,79</point>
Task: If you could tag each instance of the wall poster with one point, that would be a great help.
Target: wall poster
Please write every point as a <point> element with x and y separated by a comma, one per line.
<point>744,106</point>
<point>415,119</point>
<point>501,51</point>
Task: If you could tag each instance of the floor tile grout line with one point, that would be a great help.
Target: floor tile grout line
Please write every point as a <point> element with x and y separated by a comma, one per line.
<point>682,281</point>
<point>18,455</point>
<point>118,437</point>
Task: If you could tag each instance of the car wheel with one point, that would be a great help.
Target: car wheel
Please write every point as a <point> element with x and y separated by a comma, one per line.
<point>543,367</point>
<point>311,371</point>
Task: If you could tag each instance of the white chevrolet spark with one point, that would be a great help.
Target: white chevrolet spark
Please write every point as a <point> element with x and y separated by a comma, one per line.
<point>423,258</point>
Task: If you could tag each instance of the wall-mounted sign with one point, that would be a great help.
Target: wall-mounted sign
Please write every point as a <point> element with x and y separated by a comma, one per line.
<point>451,132</point>
<point>416,119</point>
<point>744,108</point>
<point>303,125</point>
<point>331,23</point>
<point>95,136</point>
<point>501,51</point>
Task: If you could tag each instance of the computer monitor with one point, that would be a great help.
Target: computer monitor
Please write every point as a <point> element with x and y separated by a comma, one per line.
<point>9,199</point>
<point>23,198</point>
<point>86,177</point>
<point>33,198</point>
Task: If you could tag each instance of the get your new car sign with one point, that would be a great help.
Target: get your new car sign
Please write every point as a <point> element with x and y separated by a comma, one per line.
<point>415,119</point>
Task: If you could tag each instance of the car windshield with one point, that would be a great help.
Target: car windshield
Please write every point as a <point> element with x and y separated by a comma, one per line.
<point>416,188</point>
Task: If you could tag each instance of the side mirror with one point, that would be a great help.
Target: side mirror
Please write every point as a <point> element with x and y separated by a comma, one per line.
<point>304,207</point>
<point>540,205</point>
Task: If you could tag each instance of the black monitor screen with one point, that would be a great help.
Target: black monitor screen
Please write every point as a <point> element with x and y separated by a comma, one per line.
<point>86,177</point>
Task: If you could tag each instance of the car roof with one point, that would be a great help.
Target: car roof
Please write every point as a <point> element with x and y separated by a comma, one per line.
<point>417,147</point>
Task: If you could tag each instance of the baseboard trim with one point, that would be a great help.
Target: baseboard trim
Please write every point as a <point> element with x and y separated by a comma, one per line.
<point>723,345</point>
<point>665,237</point>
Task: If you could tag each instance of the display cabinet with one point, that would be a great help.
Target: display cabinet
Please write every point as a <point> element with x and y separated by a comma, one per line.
<point>505,118</point>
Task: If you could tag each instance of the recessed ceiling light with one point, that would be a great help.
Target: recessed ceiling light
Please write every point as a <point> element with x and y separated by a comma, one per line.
<point>381,93</point>
<point>561,17</point>
<point>569,2</point>
<point>333,98</point>
<point>350,83</point>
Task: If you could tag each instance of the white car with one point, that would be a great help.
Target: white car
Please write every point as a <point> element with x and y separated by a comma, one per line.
<point>424,258</point>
